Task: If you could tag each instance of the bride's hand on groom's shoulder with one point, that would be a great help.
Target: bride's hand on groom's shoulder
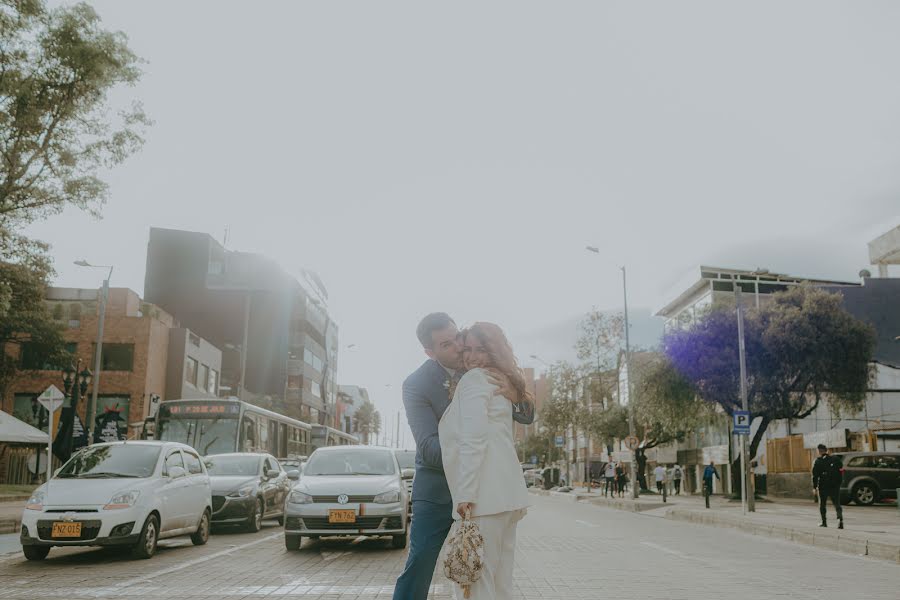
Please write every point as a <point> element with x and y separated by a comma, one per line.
<point>504,385</point>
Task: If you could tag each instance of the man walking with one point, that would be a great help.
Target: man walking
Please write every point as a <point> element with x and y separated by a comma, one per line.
<point>610,476</point>
<point>677,474</point>
<point>426,395</point>
<point>708,473</point>
<point>827,478</point>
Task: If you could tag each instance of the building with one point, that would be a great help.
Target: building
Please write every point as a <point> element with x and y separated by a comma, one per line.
<point>139,360</point>
<point>279,343</point>
<point>352,397</point>
<point>714,286</point>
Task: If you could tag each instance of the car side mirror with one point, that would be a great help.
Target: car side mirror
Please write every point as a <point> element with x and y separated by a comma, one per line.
<point>407,473</point>
<point>295,475</point>
<point>272,474</point>
<point>177,472</point>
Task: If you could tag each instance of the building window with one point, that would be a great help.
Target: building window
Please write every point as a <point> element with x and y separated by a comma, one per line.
<point>312,360</point>
<point>315,389</point>
<point>203,379</point>
<point>212,385</point>
<point>24,409</point>
<point>34,360</point>
<point>190,371</point>
<point>116,357</point>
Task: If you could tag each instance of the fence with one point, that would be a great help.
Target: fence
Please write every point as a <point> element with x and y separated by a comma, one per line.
<point>17,462</point>
<point>787,455</point>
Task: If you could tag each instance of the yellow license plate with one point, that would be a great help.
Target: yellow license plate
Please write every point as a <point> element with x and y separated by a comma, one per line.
<point>66,530</point>
<point>341,516</point>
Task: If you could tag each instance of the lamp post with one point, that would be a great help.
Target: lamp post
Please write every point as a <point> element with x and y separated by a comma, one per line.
<point>38,412</point>
<point>630,391</point>
<point>104,298</point>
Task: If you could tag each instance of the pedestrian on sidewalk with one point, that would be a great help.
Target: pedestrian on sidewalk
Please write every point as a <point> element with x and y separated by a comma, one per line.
<point>621,480</point>
<point>677,474</point>
<point>659,474</point>
<point>827,478</point>
<point>609,475</point>
<point>708,473</point>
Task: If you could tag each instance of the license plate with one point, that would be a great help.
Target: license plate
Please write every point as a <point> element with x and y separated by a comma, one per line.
<point>66,530</point>
<point>341,516</point>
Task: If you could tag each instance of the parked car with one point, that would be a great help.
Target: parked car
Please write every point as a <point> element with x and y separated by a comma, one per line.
<point>533,478</point>
<point>869,477</point>
<point>407,461</point>
<point>247,488</point>
<point>129,494</point>
<point>348,491</point>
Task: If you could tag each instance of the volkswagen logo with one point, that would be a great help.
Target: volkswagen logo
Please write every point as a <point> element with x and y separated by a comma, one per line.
<point>343,499</point>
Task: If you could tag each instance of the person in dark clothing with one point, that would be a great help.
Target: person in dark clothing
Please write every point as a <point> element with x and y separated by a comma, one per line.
<point>827,476</point>
<point>708,473</point>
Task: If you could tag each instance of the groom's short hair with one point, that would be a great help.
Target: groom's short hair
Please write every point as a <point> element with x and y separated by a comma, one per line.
<point>430,324</point>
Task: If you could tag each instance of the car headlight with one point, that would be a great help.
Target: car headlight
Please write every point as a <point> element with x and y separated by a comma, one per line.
<point>243,492</point>
<point>388,497</point>
<point>36,502</point>
<point>297,497</point>
<point>122,500</point>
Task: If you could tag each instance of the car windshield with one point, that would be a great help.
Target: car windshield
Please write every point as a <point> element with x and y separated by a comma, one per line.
<point>121,460</point>
<point>351,462</point>
<point>407,460</point>
<point>231,466</point>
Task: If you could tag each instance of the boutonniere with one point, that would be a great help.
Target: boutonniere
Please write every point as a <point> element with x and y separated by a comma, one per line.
<point>450,386</point>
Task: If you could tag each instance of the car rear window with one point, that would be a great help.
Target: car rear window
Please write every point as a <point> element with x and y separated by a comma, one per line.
<point>858,461</point>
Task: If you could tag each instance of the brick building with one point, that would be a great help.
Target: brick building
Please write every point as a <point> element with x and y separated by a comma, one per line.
<point>136,362</point>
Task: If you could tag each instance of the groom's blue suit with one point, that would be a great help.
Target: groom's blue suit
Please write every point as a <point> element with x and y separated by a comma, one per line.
<point>426,397</point>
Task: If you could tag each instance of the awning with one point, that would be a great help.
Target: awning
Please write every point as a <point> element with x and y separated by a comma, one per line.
<point>12,430</point>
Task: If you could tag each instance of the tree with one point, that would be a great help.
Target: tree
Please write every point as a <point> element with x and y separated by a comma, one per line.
<point>539,445</point>
<point>802,347</point>
<point>57,68</point>
<point>367,421</point>
<point>561,410</point>
<point>24,318</point>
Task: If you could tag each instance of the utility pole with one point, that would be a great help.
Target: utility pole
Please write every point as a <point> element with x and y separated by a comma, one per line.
<point>634,483</point>
<point>747,496</point>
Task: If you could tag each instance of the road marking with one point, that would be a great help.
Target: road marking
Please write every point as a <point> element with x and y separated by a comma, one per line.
<point>668,550</point>
<point>585,523</point>
<point>191,563</point>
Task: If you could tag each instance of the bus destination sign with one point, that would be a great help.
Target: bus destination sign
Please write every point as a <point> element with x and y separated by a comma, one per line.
<point>204,409</point>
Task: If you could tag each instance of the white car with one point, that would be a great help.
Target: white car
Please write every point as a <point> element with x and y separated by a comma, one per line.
<point>348,491</point>
<point>128,494</point>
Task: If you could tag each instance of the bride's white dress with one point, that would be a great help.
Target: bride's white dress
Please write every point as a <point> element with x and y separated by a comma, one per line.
<point>481,465</point>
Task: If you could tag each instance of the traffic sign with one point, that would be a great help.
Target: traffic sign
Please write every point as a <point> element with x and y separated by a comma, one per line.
<point>559,441</point>
<point>52,399</point>
<point>631,442</point>
<point>534,459</point>
<point>742,422</point>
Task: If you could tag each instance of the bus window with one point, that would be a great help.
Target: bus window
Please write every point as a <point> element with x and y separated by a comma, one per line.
<point>283,440</point>
<point>248,433</point>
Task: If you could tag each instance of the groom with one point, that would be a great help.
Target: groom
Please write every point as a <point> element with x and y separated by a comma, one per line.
<point>426,395</point>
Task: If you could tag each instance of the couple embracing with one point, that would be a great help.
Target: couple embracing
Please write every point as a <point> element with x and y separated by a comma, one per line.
<point>461,404</point>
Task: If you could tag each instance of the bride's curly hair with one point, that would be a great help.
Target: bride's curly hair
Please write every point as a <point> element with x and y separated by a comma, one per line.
<point>501,353</point>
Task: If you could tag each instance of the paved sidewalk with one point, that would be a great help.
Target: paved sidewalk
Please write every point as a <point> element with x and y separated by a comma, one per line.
<point>870,531</point>
<point>11,516</point>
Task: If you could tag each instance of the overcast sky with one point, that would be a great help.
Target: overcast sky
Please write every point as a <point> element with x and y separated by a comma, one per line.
<point>425,156</point>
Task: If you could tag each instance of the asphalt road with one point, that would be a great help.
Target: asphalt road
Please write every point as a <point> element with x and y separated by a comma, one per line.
<point>565,551</point>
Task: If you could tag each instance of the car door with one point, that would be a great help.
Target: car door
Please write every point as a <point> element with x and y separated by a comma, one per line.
<point>282,487</point>
<point>886,471</point>
<point>175,502</point>
<point>198,487</point>
<point>268,486</point>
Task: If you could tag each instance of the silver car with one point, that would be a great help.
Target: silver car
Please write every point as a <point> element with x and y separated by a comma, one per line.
<point>348,491</point>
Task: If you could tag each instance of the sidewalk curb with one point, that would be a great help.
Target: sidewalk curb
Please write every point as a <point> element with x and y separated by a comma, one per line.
<point>830,539</point>
<point>10,525</point>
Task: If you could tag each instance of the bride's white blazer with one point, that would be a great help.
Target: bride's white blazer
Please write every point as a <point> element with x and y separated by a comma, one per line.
<point>478,449</point>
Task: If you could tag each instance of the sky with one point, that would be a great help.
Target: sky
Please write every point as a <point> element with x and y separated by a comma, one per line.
<point>459,157</point>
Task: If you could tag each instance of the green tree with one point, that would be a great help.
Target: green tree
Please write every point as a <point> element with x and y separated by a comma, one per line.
<point>562,410</point>
<point>540,445</point>
<point>57,67</point>
<point>367,421</point>
<point>24,318</point>
<point>802,348</point>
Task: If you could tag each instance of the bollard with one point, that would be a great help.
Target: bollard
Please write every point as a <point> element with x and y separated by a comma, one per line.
<point>898,498</point>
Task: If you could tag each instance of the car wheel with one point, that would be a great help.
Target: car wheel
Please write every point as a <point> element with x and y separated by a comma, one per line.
<point>146,546</point>
<point>254,524</point>
<point>35,552</point>
<point>865,494</point>
<point>398,542</point>
<point>292,542</point>
<point>201,536</point>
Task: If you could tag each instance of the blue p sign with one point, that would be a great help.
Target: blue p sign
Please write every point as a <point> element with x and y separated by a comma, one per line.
<point>742,422</point>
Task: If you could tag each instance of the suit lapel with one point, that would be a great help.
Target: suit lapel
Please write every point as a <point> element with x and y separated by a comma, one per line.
<point>441,381</point>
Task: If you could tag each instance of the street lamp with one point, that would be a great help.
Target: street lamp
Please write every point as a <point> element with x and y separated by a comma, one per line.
<point>104,298</point>
<point>634,491</point>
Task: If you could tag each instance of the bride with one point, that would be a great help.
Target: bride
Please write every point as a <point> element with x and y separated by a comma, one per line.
<point>479,456</point>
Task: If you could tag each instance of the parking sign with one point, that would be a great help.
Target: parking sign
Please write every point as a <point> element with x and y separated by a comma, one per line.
<point>742,422</point>
<point>559,441</point>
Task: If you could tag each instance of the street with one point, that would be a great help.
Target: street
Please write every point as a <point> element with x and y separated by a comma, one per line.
<point>565,550</point>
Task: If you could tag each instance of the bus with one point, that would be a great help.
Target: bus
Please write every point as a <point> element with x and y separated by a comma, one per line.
<point>217,426</point>
<point>323,435</point>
